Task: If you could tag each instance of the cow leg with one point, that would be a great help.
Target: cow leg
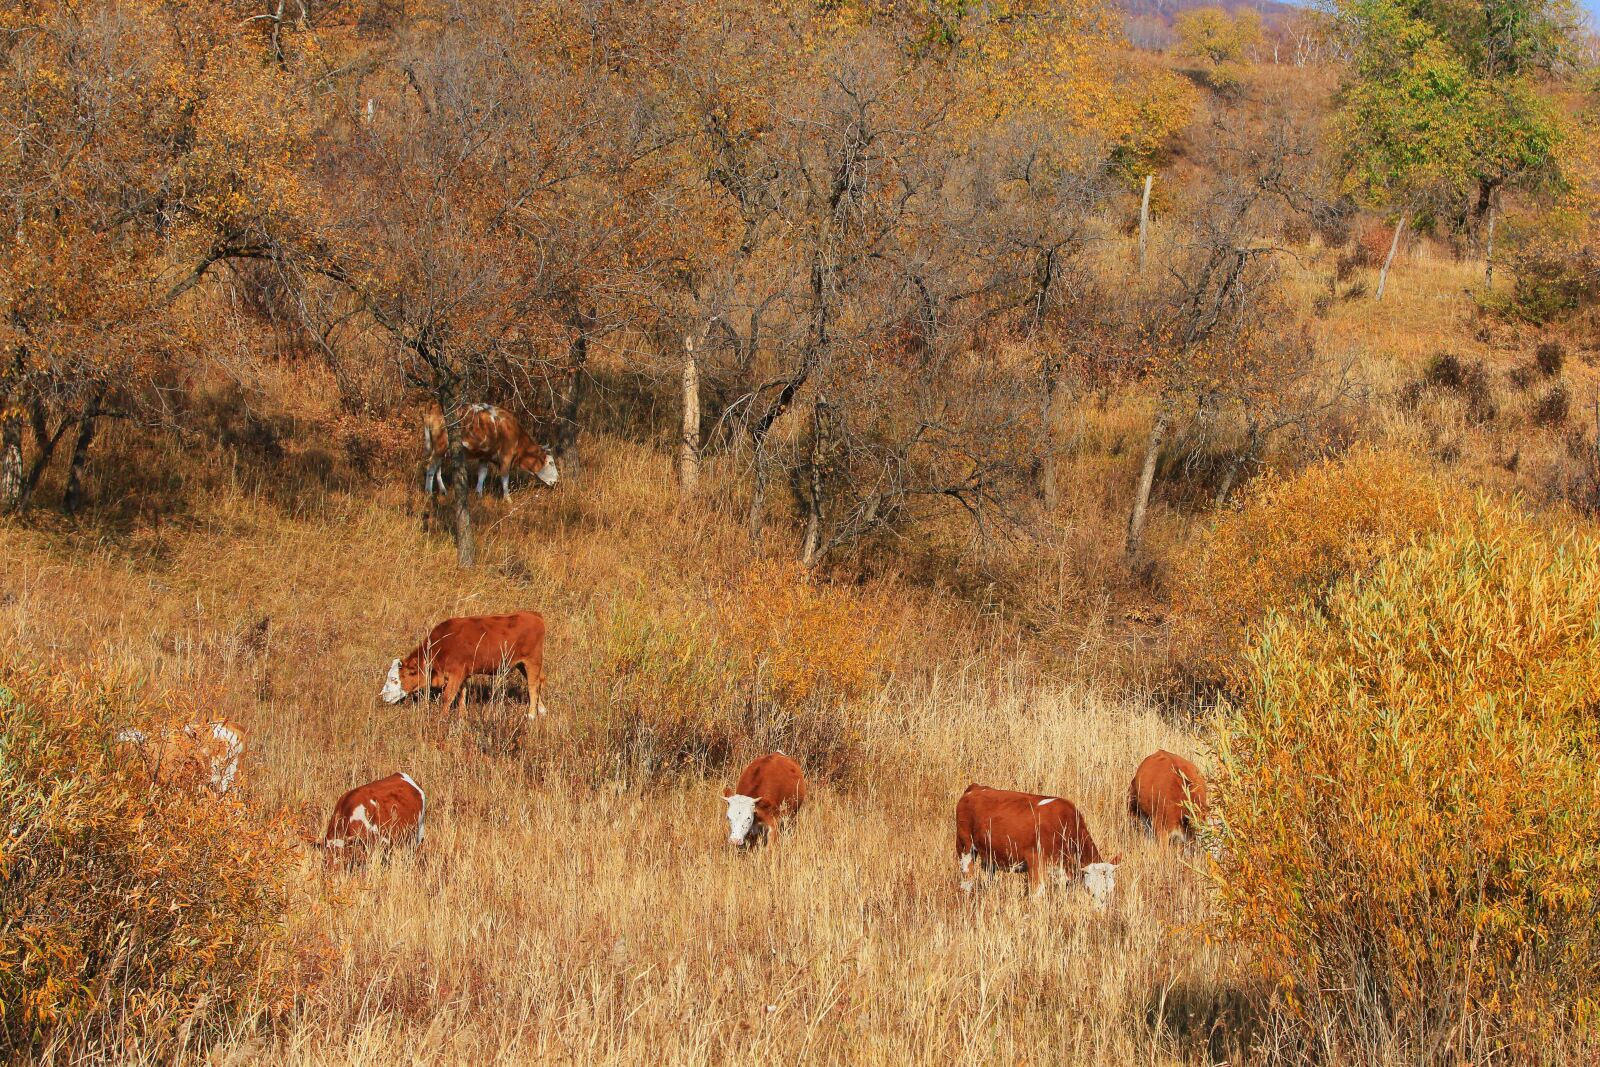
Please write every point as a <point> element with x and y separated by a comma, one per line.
<point>1036,873</point>
<point>483,474</point>
<point>452,693</point>
<point>968,879</point>
<point>535,678</point>
<point>505,484</point>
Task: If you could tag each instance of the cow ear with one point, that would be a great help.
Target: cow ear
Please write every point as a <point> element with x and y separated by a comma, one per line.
<point>727,794</point>
<point>1116,861</point>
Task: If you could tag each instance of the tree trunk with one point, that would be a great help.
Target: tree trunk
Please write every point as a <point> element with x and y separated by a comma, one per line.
<point>758,493</point>
<point>1147,478</point>
<point>689,449</point>
<point>45,447</point>
<point>73,499</point>
<point>1245,455</point>
<point>1388,261</point>
<point>812,540</point>
<point>566,445</point>
<point>460,478</point>
<point>10,463</point>
<point>1050,427</point>
<point>1144,218</point>
<point>1488,251</point>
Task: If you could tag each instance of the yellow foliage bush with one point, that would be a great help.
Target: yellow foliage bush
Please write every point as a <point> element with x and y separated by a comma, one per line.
<point>1294,538</point>
<point>128,911</point>
<point>1410,835</point>
<point>805,640</point>
<point>672,697</point>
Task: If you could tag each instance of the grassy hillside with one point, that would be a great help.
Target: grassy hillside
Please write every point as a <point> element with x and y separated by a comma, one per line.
<point>991,489</point>
<point>569,907</point>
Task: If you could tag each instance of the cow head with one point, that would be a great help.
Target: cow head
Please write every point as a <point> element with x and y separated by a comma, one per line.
<point>741,816</point>
<point>401,682</point>
<point>1100,879</point>
<point>540,463</point>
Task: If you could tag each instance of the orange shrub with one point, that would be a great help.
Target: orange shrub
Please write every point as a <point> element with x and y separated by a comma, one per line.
<point>1293,538</point>
<point>805,640</point>
<point>1410,812</point>
<point>128,912</point>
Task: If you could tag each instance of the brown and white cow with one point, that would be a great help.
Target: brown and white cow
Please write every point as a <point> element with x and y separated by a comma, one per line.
<point>201,753</point>
<point>386,812</point>
<point>457,649</point>
<point>769,787</point>
<point>490,437</point>
<point>1010,831</point>
<point>1168,793</point>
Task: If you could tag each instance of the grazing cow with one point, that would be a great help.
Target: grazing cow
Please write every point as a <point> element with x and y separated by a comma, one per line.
<point>1168,794</point>
<point>386,812</point>
<point>770,786</point>
<point>490,437</point>
<point>1011,831</point>
<point>457,649</point>
<point>202,752</point>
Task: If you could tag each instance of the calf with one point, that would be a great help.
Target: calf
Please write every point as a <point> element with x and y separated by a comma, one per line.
<point>1168,794</point>
<point>490,437</point>
<point>1011,831</point>
<point>386,812</point>
<point>202,753</point>
<point>770,786</point>
<point>457,649</point>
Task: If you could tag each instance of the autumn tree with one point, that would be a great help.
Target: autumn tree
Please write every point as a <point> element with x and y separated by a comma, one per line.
<point>142,146</point>
<point>1217,333</point>
<point>1443,106</point>
<point>1215,37</point>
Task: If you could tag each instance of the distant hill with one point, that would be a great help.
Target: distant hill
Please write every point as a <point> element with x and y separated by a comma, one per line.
<point>1167,10</point>
<point>1148,23</point>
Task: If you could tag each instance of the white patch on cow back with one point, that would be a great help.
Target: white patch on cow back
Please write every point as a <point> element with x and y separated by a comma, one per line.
<point>358,817</point>
<point>1047,800</point>
<point>422,798</point>
<point>1100,879</point>
<point>393,692</point>
<point>548,473</point>
<point>130,736</point>
<point>741,817</point>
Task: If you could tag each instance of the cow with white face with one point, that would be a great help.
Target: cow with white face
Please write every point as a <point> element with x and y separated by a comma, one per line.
<point>769,787</point>
<point>1005,830</point>
<point>458,649</point>
<point>384,813</point>
<point>492,438</point>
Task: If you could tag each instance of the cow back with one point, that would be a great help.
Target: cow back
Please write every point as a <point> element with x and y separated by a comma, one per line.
<point>480,644</point>
<point>1162,787</point>
<point>774,778</point>
<point>1005,825</point>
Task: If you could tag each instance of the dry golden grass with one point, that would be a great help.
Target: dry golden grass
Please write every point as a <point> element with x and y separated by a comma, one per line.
<point>575,902</point>
<point>560,912</point>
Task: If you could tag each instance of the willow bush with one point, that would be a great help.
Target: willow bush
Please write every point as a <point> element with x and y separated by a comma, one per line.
<point>1293,538</point>
<point>131,915</point>
<point>1410,801</point>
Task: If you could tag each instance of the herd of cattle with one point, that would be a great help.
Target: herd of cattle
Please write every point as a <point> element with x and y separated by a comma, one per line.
<point>997,829</point>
